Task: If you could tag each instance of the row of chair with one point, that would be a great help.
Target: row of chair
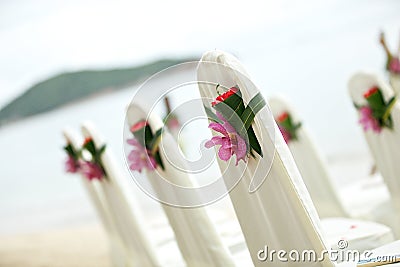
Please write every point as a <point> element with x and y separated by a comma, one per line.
<point>278,211</point>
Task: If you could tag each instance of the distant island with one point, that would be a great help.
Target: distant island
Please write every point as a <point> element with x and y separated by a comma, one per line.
<point>72,86</point>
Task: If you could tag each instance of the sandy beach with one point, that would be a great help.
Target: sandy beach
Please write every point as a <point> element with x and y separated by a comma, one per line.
<point>68,247</point>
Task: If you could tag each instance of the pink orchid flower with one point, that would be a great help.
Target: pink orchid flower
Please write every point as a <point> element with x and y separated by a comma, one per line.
<point>140,158</point>
<point>91,170</point>
<point>71,165</point>
<point>231,142</point>
<point>368,121</point>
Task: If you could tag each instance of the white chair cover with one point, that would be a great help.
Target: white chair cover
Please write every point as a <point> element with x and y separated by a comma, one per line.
<point>311,166</point>
<point>395,82</point>
<point>130,223</point>
<point>280,212</point>
<point>385,145</point>
<point>364,199</point>
<point>118,251</point>
<point>195,233</point>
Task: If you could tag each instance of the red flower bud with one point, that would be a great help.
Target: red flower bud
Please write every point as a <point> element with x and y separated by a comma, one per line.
<point>284,116</point>
<point>87,140</point>
<point>139,125</point>
<point>371,91</point>
<point>224,96</point>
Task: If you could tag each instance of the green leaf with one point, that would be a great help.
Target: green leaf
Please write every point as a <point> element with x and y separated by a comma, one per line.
<point>144,136</point>
<point>356,105</point>
<point>254,106</point>
<point>231,109</point>
<point>154,147</point>
<point>389,108</point>
<point>69,149</point>
<point>232,117</point>
<point>102,149</point>
<point>154,143</point>
<point>254,144</point>
<point>211,115</point>
<point>235,101</point>
<point>157,157</point>
<point>376,101</point>
<point>89,146</point>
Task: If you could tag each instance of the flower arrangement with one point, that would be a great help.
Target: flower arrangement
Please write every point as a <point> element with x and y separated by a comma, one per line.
<point>376,114</point>
<point>145,152</point>
<point>91,168</point>
<point>287,127</point>
<point>238,137</point>
<point>392,62</point>
<point>73,162</point>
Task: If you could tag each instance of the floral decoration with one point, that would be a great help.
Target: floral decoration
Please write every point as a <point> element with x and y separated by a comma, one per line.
<point>375,115</point>
<point>233,120</point>
<point>91,168</point>
<point>231,142</point>
<point>145,152</point>
<point>392,62</point>
<point>73,163</point>
<point>287,127</point>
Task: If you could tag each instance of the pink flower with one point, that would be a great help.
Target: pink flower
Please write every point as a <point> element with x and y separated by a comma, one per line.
<point>368,121</point>
<point>285,134</point>
<point>173,123</point>
<point>71,165</point>
<point>140,157</point>
<point>91,170</point>
<point>231,142</point>
<point>394,65</point>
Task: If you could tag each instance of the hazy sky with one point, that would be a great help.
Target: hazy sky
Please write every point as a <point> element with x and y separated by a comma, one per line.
<point>44,37</point>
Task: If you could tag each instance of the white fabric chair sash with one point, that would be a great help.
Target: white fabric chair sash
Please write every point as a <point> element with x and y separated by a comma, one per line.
<point>195,233</point>
<point>385,145</point>
<point>280,213</point>
<point>128,217</point>
<point>117,249</point>
<point>311,165</point>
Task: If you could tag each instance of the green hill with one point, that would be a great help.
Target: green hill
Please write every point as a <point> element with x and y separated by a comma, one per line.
<point>68,87</point>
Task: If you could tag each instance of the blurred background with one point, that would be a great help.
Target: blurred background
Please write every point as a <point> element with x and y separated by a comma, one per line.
<point>62,62</point>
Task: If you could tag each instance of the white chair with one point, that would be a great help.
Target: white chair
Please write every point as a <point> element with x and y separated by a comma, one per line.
<point>128,219</point>
<point>279,212</point>
<point>195,233</point>
<point>118,251</point>
<point>384,146</point>
<point>373,193</point>
<point>395,82</point>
